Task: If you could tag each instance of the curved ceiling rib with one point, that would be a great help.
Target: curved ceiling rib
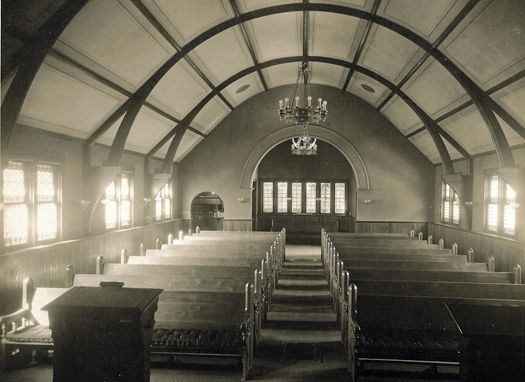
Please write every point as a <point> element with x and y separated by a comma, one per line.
<point>432,126</point>
<point>31,59</point>
<point>473,90</point>
<point>477,95</point>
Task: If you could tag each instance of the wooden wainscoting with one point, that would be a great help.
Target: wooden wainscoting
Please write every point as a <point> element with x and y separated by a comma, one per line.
<point>390,227</point>
<point>237,224</point>
<point>46,264</point>
<point>507,252</point>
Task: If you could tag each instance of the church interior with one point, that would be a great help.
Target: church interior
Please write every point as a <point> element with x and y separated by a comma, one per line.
<point>267,190</point>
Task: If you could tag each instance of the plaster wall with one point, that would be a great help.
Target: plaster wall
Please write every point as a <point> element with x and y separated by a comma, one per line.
<point>401,178</point>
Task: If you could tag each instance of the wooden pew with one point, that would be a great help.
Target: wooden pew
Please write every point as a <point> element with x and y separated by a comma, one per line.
<point>25,333</point>
<point>426,275</point>
<point>261,287</point>
<point>220,328</point>
<point>480,321</point>
<point>399,331</point>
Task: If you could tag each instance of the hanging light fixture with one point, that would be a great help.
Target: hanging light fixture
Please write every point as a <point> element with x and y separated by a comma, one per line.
<point>303,114</point>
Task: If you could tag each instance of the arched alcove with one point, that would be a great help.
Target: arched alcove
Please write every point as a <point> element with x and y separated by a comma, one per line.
<point>329,136</point>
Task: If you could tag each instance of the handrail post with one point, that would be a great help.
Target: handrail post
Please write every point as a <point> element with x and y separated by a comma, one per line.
<point>100,265</point>
<point>124,256</point>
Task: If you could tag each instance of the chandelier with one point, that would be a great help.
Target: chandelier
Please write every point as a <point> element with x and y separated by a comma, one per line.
<point>303,114</point>
<point>299,114</point>
<point>304,145</point>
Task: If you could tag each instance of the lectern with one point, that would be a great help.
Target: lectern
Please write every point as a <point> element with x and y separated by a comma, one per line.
<point>102,334</point>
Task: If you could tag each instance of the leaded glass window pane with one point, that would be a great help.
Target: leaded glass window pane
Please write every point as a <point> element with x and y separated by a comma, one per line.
<point>47,224</point>
<point>16,224</point>
<point>267,197</point>
<point>340,200</point>
<point>297,189</point>
<point>14,186</point>
<point>325,198</point>
<point>509,219</point>
<point>282,197</point>
<point>492,217</point>
<point>311,190</point>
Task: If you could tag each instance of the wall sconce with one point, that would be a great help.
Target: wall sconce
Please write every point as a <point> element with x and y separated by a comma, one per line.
<point>243,200</point>
<point>84,203</point>
<point>147,200</point>
<point>367,202</point>
<point>469,204</point>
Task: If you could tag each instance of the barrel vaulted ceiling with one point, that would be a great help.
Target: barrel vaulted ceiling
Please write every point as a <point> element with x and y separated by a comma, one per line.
<point>202,58</point>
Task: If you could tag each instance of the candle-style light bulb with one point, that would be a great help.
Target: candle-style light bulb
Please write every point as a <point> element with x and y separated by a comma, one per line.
<point>281,104</point>
<point>324,105</point>
<point>286,100</point>
<point>309,98</point>
<point>296,101</point>
<point>319,100</point>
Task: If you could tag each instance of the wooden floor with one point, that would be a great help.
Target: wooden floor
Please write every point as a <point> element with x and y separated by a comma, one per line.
<point>300,340</point>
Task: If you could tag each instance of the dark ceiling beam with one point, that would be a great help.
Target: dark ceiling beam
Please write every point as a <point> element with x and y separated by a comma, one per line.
<point>450,27</point>
<point>305,31</point>
<point>158,26</point>
<point>431,126</point>
<point>29,61</point>
<point>105,126</point>
<point>509,119</point>
<point>504,154</point>
<point>454,143</point>
<point>249,43</point>
<point>362,42</point>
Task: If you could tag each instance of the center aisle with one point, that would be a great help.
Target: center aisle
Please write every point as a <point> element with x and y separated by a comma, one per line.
<point>301,338</point>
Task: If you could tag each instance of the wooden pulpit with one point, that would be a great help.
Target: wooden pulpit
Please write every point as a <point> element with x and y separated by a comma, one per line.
<point>102,334</point>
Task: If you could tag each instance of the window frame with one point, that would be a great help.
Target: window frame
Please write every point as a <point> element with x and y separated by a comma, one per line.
<point>303,182</point>
<point>450,199</point>
<point>118,201</point>
<point>30,173</point>
<point>162,197</point>
<point>501,202</point>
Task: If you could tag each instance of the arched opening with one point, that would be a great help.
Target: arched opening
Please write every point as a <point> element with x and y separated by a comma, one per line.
<point>304,193</point>
<point>207,211</point>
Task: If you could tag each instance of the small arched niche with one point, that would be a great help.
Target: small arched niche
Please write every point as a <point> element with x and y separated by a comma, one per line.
<point>207,211</point>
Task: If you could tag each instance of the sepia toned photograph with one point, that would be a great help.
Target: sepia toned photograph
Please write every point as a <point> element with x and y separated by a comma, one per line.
<point>262,190</point>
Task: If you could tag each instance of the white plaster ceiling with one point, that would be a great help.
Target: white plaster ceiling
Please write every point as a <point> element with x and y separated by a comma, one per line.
<point>149,128</point>
<point>210,115</point>
<point>331,34</point>
<point>388,53</point>
<point>242,89</point>
<point>489,45</point>
<point>435,89</point>
<point>185,19</point>
<point>401,115</point>
<point>277,35</point>
<point>424,142</point>
<point>66,101</point>
<point>328,74</point>
<point>428,21</point>
<point>468,128</point>
<point>187,143</point>
<point>375,89</point>
<point>113,38</point>
<point>223,55</point>
<point>179,91</point>
<point>118,43</point>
